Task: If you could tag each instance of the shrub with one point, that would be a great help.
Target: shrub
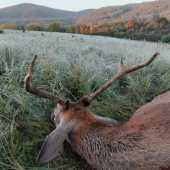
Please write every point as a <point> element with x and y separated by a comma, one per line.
<point>167,26</point>
<point>133,36</point>
<point>1,31</point>
<point>166,39</point>
<point>140,36</point>
<point>130,31</point>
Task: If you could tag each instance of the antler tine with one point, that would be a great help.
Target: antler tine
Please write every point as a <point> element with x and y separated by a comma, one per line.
<point>122,71</point>
<point>121,64</point>
<point>28,86</point>
<point>31,65</point>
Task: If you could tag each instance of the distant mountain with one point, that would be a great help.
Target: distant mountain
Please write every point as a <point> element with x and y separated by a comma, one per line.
<point>27,13</point>
<point>147,11</point>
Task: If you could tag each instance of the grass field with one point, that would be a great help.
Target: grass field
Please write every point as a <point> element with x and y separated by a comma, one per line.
<point>70,66</point>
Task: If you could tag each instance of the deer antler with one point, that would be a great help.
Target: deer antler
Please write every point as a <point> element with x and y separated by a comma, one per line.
<point>28,86</point>
<point>122,71</point>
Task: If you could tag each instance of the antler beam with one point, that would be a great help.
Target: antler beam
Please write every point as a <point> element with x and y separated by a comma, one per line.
<point>122,71</point>
<point>28,86</point>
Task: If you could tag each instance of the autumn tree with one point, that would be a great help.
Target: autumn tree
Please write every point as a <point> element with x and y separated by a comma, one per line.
<point>163,24</point>
<point>104,24</point>
<point>152,26</point>
<point>141,24</point>
<point>82,29</point>
<point>54,27</point>
<point>14,27</point>
<point>161,19</point>
<point>32,27</point>
<point>91,28</point>
<point>71,29</point>
<point>86,30</point>
<point>104,27</point>
<point>77,30</point>
<point>9,26</point>
<point>35,27</point>
<point>132,24</point>
<point>116,25</point>
<point>5,26</point>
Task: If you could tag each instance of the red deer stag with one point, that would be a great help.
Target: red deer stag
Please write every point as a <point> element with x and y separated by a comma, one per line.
<point>143,143</point>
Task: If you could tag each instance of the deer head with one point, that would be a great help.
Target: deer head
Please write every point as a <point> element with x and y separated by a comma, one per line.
<point>104,142</point>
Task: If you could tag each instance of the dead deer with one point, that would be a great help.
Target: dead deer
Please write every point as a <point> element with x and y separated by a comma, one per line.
<point>143,143</point>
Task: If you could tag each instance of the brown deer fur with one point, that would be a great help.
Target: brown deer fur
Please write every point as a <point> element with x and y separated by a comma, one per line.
<point>143,143</point>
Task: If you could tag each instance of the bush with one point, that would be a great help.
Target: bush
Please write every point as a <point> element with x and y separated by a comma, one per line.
<point>130,31</point>
<point>1,31</point>
<point>166,39</point>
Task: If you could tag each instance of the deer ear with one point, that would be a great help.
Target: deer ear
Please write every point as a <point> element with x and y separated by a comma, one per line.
<point>52,143</point>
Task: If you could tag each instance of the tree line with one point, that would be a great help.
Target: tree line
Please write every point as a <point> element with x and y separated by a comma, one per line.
<point>155,31</point>
<point>12,27</point>
<point>150,31</point>
<point>158,24</point>
<point>53,27</point>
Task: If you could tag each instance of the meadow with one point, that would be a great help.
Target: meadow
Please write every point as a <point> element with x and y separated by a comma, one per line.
<point>71,66</point>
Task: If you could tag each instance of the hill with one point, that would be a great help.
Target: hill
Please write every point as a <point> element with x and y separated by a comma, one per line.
<point>25,13</point>
<point>147,11</point>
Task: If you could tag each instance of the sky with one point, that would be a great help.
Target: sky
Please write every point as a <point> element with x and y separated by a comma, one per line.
<point>71,5</point>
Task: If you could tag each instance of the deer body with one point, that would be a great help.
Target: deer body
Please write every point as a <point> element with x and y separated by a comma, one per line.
<point>143,143</point>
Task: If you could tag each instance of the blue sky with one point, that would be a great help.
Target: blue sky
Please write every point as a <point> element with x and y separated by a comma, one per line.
<point>72,5</point>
